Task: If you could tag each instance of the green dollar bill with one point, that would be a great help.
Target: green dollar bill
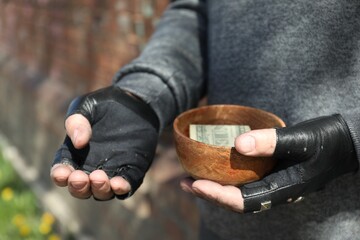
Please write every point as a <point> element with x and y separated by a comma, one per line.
<point>220,135</point>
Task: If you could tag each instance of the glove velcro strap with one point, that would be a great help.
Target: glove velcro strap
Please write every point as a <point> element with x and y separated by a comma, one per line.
<point>274,189</point>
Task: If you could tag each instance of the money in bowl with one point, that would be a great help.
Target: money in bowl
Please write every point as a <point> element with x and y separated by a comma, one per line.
<point>204,139</point>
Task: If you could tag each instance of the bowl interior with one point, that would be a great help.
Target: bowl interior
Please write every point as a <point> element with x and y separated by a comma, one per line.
<point>226,114</point>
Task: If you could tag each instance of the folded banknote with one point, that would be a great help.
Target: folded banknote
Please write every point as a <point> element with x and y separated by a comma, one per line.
<point>220,135</point>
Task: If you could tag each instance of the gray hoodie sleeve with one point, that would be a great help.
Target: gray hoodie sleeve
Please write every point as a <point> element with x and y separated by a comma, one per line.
<point>169,73</point>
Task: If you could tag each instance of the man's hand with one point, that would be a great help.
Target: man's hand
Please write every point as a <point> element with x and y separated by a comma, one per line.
<point>110,143</point>
<point>310,154</point>
<point>253,143</point>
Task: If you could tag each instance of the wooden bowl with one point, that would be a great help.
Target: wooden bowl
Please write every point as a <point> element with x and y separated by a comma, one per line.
<point>222,164</point>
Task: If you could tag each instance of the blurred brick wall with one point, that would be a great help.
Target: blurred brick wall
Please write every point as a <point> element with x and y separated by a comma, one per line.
<point>53,50</point>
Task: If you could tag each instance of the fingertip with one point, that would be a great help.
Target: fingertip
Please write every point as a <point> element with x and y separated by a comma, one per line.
<point>100,185</point>
<point>98,176</point>
<point>79,176</point>
<point>60,173</point>
<point>204,186</point>
<point>227,196</point>
<point>260,142</point>
<point>186,185</point>
<point>79,185</point>
<point>245,144</point>
<point>79,130</point>
<point>119,185</point>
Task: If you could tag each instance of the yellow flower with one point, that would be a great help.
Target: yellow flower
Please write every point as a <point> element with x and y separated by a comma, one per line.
<point>18,220</point>
<point>24,230</point>
<point>47,218</point>
<point>7,194</point>
<point>54,237</point>
<point>44,228</point>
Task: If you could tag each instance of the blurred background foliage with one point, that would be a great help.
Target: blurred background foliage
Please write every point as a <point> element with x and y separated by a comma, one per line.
<point>21,215</point>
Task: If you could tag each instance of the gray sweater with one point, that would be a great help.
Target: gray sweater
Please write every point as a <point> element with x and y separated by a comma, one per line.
<point>297,59</point>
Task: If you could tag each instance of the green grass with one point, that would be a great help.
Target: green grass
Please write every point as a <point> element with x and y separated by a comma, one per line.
<point>21,215</point>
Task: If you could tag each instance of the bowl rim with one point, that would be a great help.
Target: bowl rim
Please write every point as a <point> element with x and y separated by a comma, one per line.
<point>176,121</point>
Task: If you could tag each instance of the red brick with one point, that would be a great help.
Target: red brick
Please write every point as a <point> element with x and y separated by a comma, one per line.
<point>160,6</point>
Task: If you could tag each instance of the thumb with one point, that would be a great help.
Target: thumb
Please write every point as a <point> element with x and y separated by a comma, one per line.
<point>227,196</point>
<point>257,142</point>
<point>78,129</point>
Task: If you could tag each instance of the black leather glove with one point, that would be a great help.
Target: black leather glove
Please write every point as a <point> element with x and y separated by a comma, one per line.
<point>124,136</point>
<point>310,154</point>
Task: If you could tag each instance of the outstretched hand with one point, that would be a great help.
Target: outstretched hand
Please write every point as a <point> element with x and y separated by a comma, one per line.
<point>80,184</point>
<point>310,154</point>
<point>110,144</point>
